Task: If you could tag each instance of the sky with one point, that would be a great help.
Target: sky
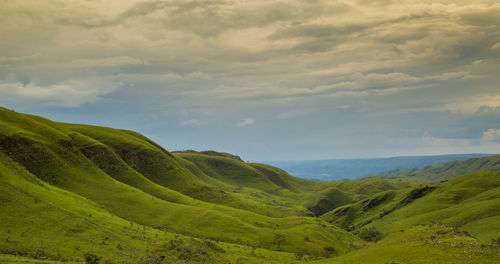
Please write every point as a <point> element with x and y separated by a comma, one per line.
<point>267,80</point>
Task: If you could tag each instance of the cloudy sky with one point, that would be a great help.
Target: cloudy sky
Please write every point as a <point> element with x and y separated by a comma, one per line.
<point>268,80</point>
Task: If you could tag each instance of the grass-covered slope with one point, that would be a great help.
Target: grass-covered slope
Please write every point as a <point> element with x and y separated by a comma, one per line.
<point>144,156</point>
<point>452,222</point>
<point>271,188</point>
<point>121,153</point>
<point>42,222</point>
<point>233,171</point>
<point>267,183</point>
<point>131,180</point>
<point>66,190</point>
<point>370,186</point>
<point>45,222</point>
<point>344,192</point>
<point>325,200</point>
<point>445,171</point>
<point>470,202</point>
<point>423,245</point>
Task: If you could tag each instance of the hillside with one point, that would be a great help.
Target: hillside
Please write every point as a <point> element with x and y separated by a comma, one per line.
<point>470,202</point>
<point>129,177</point>
<point>268,183</point>
<point>442,172</point>
<point>422,245</point>
<point>70,192</point>
<point>451,222</point>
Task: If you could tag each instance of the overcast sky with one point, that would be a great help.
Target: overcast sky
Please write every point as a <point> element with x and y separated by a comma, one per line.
<point>267,80</point>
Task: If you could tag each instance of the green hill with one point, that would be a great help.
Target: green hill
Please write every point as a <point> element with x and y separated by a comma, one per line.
<point>443,172</point>
<point>46,222</point>
<point>72,191</point>
<point>267,183</point>
<point>422,245</point>
<point>452,222</point>
<point>128,177</point>
<point>470,202</point>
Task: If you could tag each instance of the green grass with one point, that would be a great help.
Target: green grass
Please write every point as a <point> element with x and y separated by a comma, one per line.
<point>327,200</point>
<point>46,222</point>
<point>67,189</point>
<point>423,245</point>
<point>471,202</point>
<point>118,178</point>
<point>264,183</point>
<point>10,259</point>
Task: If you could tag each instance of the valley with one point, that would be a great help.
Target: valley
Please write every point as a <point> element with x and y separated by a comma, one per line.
<point>79,193</point>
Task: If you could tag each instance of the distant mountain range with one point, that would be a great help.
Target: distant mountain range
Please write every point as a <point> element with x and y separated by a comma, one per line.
<point>443,172</point>
<point>338,169</point>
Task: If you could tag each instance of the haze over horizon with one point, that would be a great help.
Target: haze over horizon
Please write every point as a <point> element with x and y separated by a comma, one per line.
<point>266,80</point>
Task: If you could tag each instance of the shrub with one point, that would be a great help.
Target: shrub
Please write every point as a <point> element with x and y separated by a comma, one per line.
<point>370,234</point>
<point>91,258</point>
<point>329,252</point>
<point>39,253</point>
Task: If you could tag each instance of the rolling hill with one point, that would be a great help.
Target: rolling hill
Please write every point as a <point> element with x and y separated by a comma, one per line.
<point>73,193</point>
<point>422,244</point>
<point>470,202</point>
<point>130,178</point>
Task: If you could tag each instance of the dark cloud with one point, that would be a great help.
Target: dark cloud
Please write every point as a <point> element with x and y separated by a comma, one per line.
<point>325,30</point>
<point>210,18</point>
<point>331,78</point>
<point>487,18</point>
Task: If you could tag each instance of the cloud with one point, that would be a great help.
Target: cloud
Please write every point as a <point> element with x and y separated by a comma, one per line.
<point>161,76</point>
<point>107,62</point>
<point>246,122</point>
<point>445,142</point>
<point>354,84</point>
<point>482,17</point>
<point>191,123</point>
<point>219,60</point>
<point>491,135</point>
<point>340,30</point>
<point>72,93</point>
<point>472,104</point>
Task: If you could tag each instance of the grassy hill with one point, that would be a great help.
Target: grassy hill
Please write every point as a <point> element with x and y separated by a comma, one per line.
<point>445,171</point>
<point>266,183</point>
<point>129,177</point>
<point>72,191</point>
<point>422,244</point>
<point>452,222</point>
<point>45,222</point>
<point>470,202</point>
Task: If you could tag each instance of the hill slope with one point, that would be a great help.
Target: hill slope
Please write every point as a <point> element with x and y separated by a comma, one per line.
<point>470,202</point>
<point>129,177</point>
<point>266,183</point>
<point>67,190</point>
<point>422,245</point>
